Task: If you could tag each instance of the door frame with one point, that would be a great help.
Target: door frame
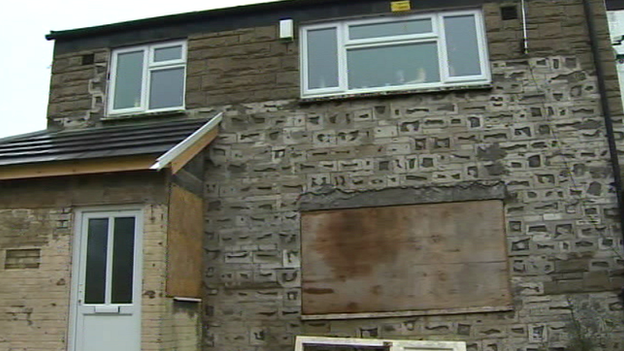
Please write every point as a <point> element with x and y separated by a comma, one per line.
<point>75,273</point>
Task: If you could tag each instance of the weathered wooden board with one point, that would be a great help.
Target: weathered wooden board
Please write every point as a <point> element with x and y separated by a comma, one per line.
<point>184,243</point>
<point>77,167</point>
<point>396,258</point>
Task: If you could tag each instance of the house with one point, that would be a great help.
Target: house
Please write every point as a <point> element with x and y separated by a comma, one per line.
<point>322,175</point>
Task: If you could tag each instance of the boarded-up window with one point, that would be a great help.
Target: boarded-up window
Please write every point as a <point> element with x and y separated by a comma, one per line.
<point>404,258</point>
<point>184,243</point>
<point>22,258</point>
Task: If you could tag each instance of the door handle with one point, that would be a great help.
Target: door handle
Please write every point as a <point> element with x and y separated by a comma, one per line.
<point>107,309</point>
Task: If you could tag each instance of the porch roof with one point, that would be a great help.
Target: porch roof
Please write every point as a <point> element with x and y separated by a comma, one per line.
<point>117,148</point>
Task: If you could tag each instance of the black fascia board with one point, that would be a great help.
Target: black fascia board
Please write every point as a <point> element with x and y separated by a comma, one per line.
<point>614,5</point>
<point>186,17</point>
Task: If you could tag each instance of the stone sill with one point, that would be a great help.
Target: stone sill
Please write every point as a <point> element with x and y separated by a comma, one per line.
<point>187,299</point>
<point>307,100</point>
<point>145,115</point>
<point>331,316</point>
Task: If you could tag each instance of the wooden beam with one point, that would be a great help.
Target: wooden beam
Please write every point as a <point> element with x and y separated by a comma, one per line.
<point>76,167</point>
<point>189,153</point>
<point>485,309</point>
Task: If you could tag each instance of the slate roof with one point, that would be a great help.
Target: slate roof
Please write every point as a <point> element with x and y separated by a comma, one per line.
<point>92,143</point>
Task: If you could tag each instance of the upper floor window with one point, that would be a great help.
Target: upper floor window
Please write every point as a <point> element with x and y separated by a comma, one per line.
<point>394,53</point>
<point>147,78</point>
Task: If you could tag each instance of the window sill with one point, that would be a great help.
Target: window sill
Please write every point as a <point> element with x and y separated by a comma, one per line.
<point>347,96</point>
<point>145,115</point>
<point>331,316</point>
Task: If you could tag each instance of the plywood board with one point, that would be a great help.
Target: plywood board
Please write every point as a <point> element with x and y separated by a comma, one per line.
<point>417,257</point>
<point>184,243</point>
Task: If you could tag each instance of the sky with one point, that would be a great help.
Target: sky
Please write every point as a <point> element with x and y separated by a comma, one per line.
<point>26,56</point>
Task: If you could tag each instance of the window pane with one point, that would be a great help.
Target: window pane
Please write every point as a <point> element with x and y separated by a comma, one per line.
<point>166,88</point>
<point>168,53</point>
<point>393,65</point>
<point>128,80</point>
<point>377,30</point>
<point>97,244</point>
<point>462,46</point>
<point>322,58</point>
<point>123,260</point>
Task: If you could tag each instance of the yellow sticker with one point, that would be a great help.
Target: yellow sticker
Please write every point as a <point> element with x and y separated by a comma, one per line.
<point>398,6</point>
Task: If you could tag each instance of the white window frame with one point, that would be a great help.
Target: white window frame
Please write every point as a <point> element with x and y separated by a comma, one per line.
<point>436,35</point>
<point>390,345</point>
<point>149,66</point>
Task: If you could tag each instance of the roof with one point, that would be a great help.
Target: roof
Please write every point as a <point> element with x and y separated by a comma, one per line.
<point>183,17</point>
<point>168,140</point>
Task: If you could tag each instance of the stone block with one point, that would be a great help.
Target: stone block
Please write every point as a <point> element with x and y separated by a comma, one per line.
<point>572,266</point>
<point>597,281</point>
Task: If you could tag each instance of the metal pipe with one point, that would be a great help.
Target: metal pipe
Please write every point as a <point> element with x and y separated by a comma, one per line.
<point>606,112</point>
<point>525,39</point>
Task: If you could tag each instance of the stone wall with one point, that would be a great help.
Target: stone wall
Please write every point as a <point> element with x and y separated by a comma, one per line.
<point>77,89</point>
<point>562,233</point>
<point>35,266</point>
<point>36,237</point>
<point>244,65</point>
<point>539,130</point>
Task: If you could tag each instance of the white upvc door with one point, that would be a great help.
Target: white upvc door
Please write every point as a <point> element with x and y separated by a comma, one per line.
<point>106,304</point>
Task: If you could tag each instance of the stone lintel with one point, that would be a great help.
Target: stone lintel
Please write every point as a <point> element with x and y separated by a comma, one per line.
<point>332,198</point>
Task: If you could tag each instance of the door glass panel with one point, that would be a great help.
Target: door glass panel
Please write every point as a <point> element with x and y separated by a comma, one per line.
<point>123,260</point>
<point>462,46</point>
<point>166,88</point>
<point>128,80</point>
<point>377,30</point>
<point>393,65</point>
<point>97,245</point>
<point>168,53</point>
<point>322,58</point>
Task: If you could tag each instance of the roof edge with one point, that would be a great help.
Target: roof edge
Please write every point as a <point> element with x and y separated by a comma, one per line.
<point>614,5</point>
<point>73,168</point>
<point>168,157</point>
<point>182,17</point>
<point>23,135</point>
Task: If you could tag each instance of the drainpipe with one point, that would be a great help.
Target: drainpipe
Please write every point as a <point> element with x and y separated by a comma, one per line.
<point>606,112</point>
<point>525,35</point>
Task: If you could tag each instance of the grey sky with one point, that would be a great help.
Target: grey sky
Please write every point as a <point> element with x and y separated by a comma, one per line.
<point>25,55</point>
